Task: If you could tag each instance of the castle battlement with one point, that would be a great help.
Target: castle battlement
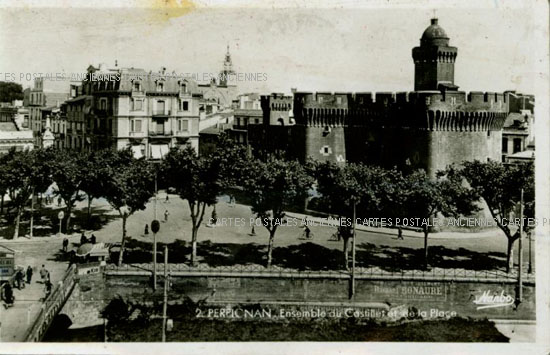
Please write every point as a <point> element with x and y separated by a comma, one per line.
<point>276,102</point>
<point>430,110</point>
<point>428,128</point>
<point>325,98</point>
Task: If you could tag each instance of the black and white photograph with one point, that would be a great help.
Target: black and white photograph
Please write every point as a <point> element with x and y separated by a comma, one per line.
<point>232,173</point>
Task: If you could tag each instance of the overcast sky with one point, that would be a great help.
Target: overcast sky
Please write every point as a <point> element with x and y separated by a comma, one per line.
<point>342,49</point>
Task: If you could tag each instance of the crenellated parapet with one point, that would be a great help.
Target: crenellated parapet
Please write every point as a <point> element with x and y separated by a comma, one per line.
<point>276,109</point>
<point>463,121</point>
<point>429,110</point>
<point>276,102</point>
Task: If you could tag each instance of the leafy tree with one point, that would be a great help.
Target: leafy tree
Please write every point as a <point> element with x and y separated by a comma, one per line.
<point>129,186</point>
<point>68,176</point>
<point>94,175</point>
<point>273,186</point>
<point>10,91</point>
<point>201,179</point>
<point>17,176</point>
<point>23,173</point>
<point>41,177</point>
<point>3,180</point>
<point>500,187</point>
<point>425,198</point>
<point>343,186</point>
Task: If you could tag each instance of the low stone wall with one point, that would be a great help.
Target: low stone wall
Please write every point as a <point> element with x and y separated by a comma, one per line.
<point>429,298</point>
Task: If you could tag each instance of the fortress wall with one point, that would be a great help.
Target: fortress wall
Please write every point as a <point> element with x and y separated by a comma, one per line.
<point>326,145</point>
<point>447,147</point>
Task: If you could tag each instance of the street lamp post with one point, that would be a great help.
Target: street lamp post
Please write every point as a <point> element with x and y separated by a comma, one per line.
<point>165,298</point>
<point>155,227</point>
<point>520,258</point>
<point>60,216</point>
<point>353,255</point>
<point>156,191</point>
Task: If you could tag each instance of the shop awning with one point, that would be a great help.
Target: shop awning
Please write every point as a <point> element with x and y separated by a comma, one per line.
<point>159,150</point>
<point>137,150</point>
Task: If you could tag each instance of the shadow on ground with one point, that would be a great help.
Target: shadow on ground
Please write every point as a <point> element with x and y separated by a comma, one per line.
<point>46,222</point>
<point>310,256</point>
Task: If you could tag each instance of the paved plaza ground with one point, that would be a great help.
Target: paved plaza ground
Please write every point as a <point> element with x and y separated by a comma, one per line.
<point>380,247</point>
<point>488,246</point>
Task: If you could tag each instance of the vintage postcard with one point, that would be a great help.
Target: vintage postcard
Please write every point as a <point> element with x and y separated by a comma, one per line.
<point>222,174</point>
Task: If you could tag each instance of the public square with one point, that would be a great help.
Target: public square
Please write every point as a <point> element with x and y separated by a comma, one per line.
<point>381,244</point>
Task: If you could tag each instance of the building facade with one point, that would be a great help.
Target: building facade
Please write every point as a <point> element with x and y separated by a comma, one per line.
<point>45,94</point>
<point>127,107</point>
<point>430,128</point>
<point>518,137</point>
<point>14,131</point>
<point>247,111</point>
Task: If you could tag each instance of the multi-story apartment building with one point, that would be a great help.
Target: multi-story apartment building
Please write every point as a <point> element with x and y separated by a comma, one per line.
<point>15,112</point>
<point>518,137</point>
<point>248,111</point>
<point>129,107</point>
<point>44,94</point>
<point>13,127</point>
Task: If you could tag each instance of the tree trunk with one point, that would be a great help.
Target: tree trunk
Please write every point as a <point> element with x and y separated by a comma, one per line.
<point>426,247</point>
<point>32,213</point>
<point>2,205</point>
<point>17,219</point>
<point>346,252</point>
<point>123,240</point>
<point>194,245</point>
<point>89,209</point>
<point>68,222</point>
<point>270,248</point>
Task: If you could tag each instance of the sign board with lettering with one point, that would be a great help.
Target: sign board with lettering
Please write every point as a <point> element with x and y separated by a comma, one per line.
<point>7,262</point>
<point>411,290</point>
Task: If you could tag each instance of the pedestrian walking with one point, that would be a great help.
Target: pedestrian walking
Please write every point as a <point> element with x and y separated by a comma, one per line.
<point>65,244</point>
<point>400,234</point>
<point>167,198</point>
<point>58,201</point>
<point>7,295</point>
<point>43,274</point>
<point>20,279</point>
<point>307,232</point>
<point>29,274</point>
<point>146,229</point>
<point>166,213</point>
<point>83,239</point>
<point>93,239</point>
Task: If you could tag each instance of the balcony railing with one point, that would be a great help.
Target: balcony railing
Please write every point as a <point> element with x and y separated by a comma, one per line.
<point>166,133</point>
<point>161,113</point>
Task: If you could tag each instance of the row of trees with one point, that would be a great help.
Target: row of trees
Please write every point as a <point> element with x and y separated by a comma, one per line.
<point>126,183</point>
<point>273,185</point>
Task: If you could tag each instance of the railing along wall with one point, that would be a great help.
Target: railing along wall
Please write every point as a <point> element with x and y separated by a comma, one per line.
<point>372,273</point>
<point>52,305</point>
